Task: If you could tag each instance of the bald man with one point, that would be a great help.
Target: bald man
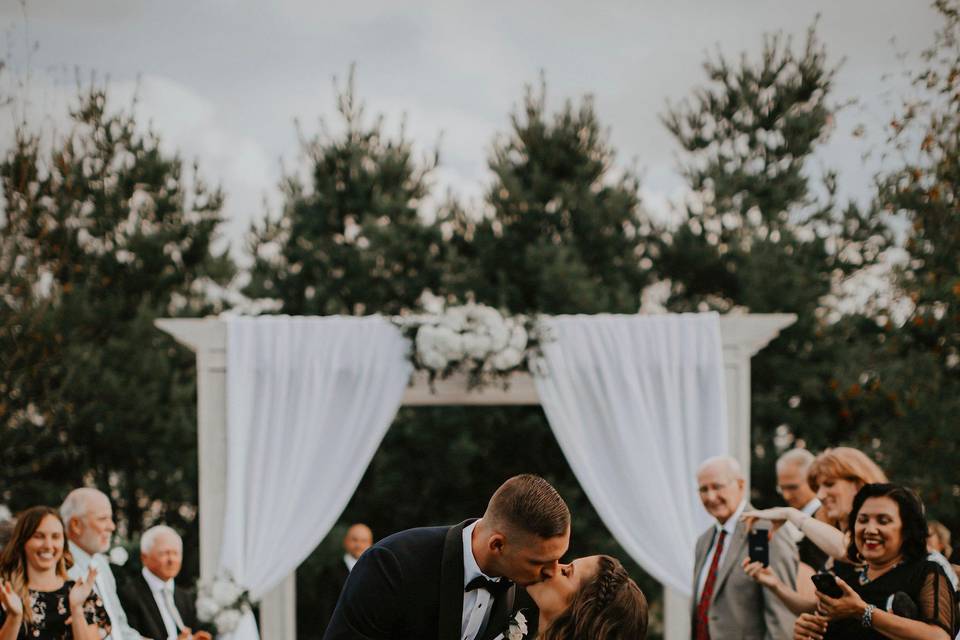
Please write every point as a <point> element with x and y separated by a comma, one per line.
<point>727,603</point>
<point>88,517</point>
<point>358,539</point>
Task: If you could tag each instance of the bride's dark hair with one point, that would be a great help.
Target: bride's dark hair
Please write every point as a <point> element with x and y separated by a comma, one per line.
<point>609,607</point>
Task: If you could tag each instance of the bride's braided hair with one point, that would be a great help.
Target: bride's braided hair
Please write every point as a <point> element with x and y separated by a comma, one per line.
<point>609,607</point>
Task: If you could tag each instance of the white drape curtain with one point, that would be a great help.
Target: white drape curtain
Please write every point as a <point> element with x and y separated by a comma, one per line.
<point>308,402</point>
<point>636,403</point>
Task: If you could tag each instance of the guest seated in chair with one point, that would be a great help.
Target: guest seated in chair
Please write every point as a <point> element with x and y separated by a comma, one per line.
<point>155,606</point>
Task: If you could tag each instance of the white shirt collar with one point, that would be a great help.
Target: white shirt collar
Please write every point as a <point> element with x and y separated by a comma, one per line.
<point>155,583</point>
<point>811,507</point>
<point>350,561</point>
<point>731,524</point>
<point>471,569</point>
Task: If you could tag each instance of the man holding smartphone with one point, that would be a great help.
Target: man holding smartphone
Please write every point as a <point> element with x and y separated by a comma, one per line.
<point>727,603</point>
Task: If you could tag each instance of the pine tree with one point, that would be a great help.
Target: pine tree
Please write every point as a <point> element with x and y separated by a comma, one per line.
<point>756,235</point>
<point>353,241</point>
<point>103,232</point>
<point>910,401</point>
<point>566,224</point>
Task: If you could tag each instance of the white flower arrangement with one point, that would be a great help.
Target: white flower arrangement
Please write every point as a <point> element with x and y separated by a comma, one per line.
<point>118,556</point>
<point>518,627</point>
<point>473,337</point>
<point>222,602</point>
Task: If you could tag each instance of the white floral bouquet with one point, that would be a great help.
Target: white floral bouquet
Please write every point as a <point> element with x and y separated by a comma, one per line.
<point>472,337</point>
<point>222,602</point>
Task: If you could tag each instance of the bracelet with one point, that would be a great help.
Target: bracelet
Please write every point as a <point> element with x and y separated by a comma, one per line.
<point>867,619</point>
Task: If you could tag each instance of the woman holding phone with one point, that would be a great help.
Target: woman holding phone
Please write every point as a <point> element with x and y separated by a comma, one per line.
<point>887,569</point>
<point>836,475</point>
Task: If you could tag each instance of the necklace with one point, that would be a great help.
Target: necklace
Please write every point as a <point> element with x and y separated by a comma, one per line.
<point>863,578</point>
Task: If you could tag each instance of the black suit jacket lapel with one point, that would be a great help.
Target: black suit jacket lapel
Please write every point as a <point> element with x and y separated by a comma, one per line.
<point>451,584</point>
<point>149,603</point>
<point>500,614</point>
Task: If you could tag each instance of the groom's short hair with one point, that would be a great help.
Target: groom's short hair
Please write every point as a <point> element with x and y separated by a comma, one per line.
<point>529,503</point>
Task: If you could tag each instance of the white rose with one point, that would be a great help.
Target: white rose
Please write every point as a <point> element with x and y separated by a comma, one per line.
<point>507,359</point>
<point>118,556</point>
<point>432,359</point>
<point>206,608</point>
<point>426,338</point>
<point>518,337</point>
<point>499,335</point>
<point>455,319</point>
<point>227,620</point>
<point>225,593</point>
<point>477,345</point>
<point>449,343</point>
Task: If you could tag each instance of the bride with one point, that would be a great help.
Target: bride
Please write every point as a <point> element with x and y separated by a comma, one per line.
<point>591,598</point>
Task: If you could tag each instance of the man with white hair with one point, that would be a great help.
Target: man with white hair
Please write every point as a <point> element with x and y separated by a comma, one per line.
<point>156,607</point>
<point>88,517</point>
<point>727,603</point>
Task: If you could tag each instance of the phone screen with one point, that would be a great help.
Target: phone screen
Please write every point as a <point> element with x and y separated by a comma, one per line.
<point>759,543</point>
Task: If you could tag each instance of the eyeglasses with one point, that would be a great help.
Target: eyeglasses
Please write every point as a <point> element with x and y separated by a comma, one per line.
<point>783,488</point>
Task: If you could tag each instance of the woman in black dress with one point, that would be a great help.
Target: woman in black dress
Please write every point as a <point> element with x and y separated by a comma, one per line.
<point>33,570</point>
<point>891,573</point>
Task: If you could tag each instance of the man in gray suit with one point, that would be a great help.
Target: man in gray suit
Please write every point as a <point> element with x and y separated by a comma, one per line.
<point>727,604</point>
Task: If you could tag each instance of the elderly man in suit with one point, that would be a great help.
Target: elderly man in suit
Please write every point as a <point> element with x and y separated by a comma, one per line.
<point>727,603</point>
<point>155,606</point>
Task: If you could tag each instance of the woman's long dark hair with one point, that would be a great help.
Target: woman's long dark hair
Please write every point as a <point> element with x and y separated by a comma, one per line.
<point>609,607</point>
<point>13,558</point>
<point>912,519</point>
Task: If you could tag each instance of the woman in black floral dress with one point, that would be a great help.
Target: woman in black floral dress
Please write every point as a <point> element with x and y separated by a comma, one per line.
<point>33,569</point>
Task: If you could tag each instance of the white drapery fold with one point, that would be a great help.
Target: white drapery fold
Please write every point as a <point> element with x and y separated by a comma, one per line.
<point>636,403</point>
<point>309,400</point>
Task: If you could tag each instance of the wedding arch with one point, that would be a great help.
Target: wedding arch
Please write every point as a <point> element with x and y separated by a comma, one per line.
<point>660,393</point>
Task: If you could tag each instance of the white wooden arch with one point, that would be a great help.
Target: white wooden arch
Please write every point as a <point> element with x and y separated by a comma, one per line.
<point>742,337</point>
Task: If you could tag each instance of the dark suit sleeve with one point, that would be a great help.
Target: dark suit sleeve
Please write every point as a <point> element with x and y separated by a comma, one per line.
<point>130,602</point>
<point>371,604</point>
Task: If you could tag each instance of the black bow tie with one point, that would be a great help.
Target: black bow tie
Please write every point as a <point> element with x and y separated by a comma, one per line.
<point>495,587</point>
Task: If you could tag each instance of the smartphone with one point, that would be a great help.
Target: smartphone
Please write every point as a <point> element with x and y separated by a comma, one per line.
<point>826,584</point>
<point>758,542</point>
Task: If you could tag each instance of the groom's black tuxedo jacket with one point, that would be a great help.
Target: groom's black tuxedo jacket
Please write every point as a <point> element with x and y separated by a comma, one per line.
<point>409,586</point>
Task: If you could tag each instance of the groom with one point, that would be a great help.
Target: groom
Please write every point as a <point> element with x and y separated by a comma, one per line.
<point>459,582</point>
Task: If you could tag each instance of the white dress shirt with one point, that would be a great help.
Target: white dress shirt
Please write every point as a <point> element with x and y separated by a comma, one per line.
<point>106,587</point>
<point>350,561</point>
<point>729,526</point>
<point>476,603</point>
<point>156,588</point>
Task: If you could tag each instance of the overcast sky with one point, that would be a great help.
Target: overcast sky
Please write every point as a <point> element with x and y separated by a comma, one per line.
<point>223,80</point>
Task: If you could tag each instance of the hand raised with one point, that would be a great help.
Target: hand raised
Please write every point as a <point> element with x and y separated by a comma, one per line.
<point>777,517</point>
<point>11,602</point>
<point>81,589</point>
